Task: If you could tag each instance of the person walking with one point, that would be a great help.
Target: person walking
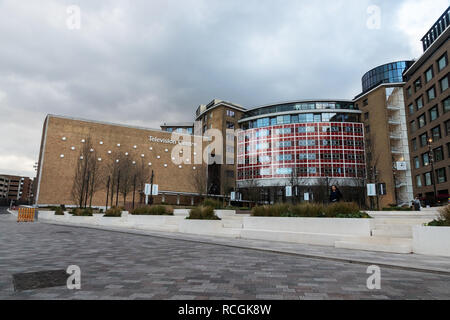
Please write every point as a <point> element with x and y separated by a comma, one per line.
<point>335,194</point>
<point>417,205</point>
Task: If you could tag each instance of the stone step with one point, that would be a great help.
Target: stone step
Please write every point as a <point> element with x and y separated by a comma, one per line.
<point>400,221</point>
<point>381,244</point>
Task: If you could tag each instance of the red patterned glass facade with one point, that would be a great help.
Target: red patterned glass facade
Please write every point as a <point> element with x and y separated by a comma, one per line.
<point>308,150</point>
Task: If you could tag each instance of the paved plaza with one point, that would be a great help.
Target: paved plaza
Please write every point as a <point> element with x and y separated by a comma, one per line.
<point>120,265</point>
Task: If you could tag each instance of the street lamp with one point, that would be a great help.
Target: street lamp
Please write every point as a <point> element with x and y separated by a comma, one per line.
<point>431,161</point>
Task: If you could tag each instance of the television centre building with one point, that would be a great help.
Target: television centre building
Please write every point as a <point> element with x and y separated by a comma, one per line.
<point>291,150</point>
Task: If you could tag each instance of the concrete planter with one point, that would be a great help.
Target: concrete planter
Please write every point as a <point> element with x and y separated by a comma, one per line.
<point>317,231</point>
<point>224,213</point>
<point>207,227</point>
<point>181,212</point>
<point>156,223</point>
<point>433,241</point>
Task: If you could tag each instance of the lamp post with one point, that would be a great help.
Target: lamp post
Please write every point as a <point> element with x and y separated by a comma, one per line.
<point>431,160</point>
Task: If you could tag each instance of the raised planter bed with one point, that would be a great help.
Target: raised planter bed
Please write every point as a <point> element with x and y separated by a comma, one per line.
<point>207,227</point>
<point>433,241</point>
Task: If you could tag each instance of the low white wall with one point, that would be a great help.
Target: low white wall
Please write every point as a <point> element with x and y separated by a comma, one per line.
<point>357,227</point>
<point>169,223</point>
<point>224,213</point>
<point>207,227</point>
<point>433,241</point>
<point>181,212</point>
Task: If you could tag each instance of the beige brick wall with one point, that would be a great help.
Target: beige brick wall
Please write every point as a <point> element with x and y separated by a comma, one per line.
<point>57,174</point>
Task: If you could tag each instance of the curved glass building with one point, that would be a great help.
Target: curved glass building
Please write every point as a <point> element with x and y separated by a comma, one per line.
<point>306,141</point>
<point>386,73</point>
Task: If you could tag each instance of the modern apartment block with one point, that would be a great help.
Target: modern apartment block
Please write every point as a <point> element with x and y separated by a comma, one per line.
<point>387,153</point>
<point>16,188</point>
<point>427,106</point>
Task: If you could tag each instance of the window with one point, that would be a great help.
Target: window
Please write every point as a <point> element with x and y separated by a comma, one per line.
<point>425,159</point>
<point>441,176</point>
<point>442,62</point>
<point>230,125</point>
<point>438,154</point>
<point>427,177</point>
<point>418,84</point>
<point>366,116</point>
<point>431,94</point>
<point>436,133</point>
<point>284,144</point>
<point>446,105</point>
<point>416,163</point>
<point>418,181</point>
<point>429,75</point>
<point>230,113</point>
<point>419,103</point>
<point>447,127</point>
<point>422,121</point>
<point>412,126</point>
<point>284,157</point>
<point>444,83</point>
<point>448,150</point>
<point>414,144</point>
<point>423,140</point>
<point>434,113</point>
<point>411,109</point>
<point>409,92</point>
<point>365,102</point>
<point>367,129</point>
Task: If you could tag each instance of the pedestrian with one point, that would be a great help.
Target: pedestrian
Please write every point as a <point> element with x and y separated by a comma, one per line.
<point>417,205</point>
<point>335,194</point>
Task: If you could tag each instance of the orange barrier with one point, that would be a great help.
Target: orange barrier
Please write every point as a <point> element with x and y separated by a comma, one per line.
<point>26,215</point>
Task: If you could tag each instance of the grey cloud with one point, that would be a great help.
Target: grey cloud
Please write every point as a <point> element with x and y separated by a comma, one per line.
<point>146,62</point>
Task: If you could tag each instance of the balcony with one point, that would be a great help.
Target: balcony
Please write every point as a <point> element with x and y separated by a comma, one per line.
<point>395,136</point>
<point>396,150</point>
<point>394,121</point>
<point>394,108</point>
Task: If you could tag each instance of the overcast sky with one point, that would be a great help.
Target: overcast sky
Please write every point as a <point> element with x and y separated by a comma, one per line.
<point>145,62</point>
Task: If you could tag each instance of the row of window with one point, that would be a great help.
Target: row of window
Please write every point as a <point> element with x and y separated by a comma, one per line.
<point>431,95</point>
<point>302,118</point>
<point>264,159</point>
<point>263,133</point>
<point>433,114</point>
<point>436,156</point>
<point>302,171</point>
<point>302,143</point>
<point>429,74</point>
<point>301,106</point>
<point>427,179</point>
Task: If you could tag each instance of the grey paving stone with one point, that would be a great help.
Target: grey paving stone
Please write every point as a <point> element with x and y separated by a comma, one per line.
<point>117,265</point>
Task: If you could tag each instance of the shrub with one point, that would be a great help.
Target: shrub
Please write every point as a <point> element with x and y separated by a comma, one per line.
<point>308,210</point>
<point>215,204</point>
<point>59,211</point>
<point>342,208</point>
<point>113,212</point>
<point>78,212</point>
<point>439,223</point>
<point>444,213</point>
<point>354,215</point>
<point>158,210</point>
<point>202,213</point>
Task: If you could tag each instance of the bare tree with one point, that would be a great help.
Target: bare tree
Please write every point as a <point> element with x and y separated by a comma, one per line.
<point>127,172</point>
<point>87,179</point>
<point>199,178</point>
<point>142,177</point>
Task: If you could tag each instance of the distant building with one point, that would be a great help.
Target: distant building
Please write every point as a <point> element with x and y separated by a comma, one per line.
<point>17,189</point>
